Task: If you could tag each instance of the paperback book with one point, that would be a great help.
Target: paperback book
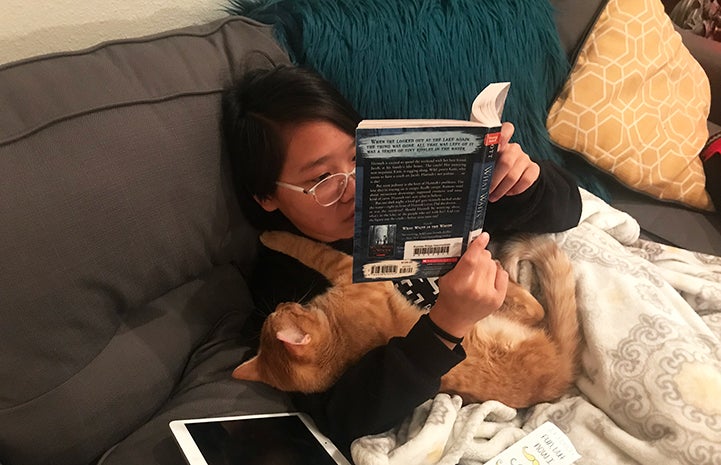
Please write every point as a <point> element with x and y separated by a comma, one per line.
<point>422,189</point>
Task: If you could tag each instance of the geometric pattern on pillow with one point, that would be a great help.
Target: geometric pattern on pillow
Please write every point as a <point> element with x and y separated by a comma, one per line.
<point>635,104</point>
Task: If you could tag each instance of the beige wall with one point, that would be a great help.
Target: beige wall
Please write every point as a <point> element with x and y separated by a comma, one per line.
<point>33,27</point>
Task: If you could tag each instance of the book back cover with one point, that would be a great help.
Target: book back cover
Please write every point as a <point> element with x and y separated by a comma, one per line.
<point>417,198</point>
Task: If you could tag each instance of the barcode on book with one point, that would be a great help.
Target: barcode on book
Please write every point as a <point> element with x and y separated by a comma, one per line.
<point>390,269</point>
<point>441,249</point>
<point>433,248</point>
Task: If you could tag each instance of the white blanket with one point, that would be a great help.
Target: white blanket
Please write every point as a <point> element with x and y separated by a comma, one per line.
<point>650,388</point>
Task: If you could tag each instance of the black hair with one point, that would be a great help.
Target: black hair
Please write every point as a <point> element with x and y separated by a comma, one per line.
<point>256,109</point>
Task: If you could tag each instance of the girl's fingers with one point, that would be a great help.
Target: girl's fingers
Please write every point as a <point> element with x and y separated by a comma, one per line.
<point>501,281</point>
<point>526,180</point>
<point>520,178</point>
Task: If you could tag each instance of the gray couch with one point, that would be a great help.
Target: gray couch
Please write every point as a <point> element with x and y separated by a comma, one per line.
<point>122,249</point>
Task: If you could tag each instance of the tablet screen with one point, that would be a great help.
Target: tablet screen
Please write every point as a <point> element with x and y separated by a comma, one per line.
<point>282,440</point>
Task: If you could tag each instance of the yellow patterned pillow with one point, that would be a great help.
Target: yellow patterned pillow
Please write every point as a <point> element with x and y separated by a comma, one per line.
<point>635,104</point>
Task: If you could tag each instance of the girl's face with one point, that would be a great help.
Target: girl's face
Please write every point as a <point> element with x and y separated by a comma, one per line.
<point>315,150</point>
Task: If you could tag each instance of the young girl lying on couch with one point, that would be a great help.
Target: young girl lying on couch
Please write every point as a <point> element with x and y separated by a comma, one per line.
<point>288,126</point>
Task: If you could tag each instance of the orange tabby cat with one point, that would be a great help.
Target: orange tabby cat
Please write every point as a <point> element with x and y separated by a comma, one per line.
<point>513,355</point>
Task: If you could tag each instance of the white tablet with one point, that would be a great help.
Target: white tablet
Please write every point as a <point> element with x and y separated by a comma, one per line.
<point>265,439</point>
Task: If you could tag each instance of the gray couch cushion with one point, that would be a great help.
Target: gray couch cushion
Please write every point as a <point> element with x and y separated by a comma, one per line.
<point>205,390</point>
<point>117,225</point>
<point>574,20</point>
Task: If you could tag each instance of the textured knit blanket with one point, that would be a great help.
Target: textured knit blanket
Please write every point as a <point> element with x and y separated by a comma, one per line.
<point>650,385</point>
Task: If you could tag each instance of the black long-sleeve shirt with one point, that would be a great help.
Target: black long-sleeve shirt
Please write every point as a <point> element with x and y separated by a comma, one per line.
<point>391,380</point>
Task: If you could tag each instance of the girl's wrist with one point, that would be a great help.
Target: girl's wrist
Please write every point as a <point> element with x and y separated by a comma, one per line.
<point>442,333</point>
<point>446,325</point>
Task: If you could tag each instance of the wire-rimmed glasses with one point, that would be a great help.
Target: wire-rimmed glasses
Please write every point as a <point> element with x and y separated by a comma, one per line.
<point>327,191</point>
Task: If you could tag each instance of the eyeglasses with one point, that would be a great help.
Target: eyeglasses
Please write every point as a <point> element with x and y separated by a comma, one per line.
<point>327,191</point>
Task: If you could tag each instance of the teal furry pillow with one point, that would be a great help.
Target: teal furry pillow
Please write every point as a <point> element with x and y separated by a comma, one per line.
<point>427,58</point>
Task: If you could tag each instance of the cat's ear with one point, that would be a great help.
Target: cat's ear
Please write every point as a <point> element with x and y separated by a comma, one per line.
<point>248,370</point>
<point>293,335</point>
<point>294,340</point>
